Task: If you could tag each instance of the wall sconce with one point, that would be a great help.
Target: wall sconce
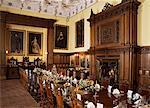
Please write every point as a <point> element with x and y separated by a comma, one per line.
<point>6,51</point>
<point>46,53</point>
<point>140,72</point>
<point>77,54</point>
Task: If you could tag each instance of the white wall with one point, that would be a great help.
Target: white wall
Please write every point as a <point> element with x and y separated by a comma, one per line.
<point>144,23</point>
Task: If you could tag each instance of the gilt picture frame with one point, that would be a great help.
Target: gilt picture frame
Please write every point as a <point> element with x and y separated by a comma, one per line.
<point>61,37</point>
<point>16,42</point>
<point>35,43</point>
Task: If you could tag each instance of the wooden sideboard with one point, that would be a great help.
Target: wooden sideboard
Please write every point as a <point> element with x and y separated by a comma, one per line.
<point>12,72</point>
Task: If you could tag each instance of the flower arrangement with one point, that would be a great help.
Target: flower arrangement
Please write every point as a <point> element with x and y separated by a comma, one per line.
<point>86,84</point>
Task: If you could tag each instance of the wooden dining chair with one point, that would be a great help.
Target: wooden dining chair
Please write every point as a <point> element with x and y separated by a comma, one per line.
<point>77,103</point>
<point>144,93</point>
<point>50,101</point>
<point>25,62</point>
<point>105,83</point>
<point>42,97</point>
<point>124,86</point>
<point>59,99</point>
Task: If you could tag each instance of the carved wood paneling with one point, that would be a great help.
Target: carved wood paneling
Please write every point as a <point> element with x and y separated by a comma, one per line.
<point>110,32</point>
<point>61,58</point>
<point>115,10</point>
<point>2,47</point>
<point>114,32</point>
<point>144,67</point>
<point>145,58</point>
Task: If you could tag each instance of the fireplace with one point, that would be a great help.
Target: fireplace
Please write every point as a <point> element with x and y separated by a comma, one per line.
<point>113,43</point>
<point>108,69</point>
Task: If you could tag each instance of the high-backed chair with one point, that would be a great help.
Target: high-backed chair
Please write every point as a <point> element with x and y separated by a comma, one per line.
<point>145,94</point>
<point>50,101</point>
<point>12,61</point>
<point>105,83</point>
<point>59,99</point>
<point>77,103</point>
<point>42,97</point>
<point>37,62</point>
<point>124,86</point>
<point>12,69</point>
<point>25,62</point>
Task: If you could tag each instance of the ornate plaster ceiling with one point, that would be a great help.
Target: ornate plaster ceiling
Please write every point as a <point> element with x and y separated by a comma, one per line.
<point>64,8</point>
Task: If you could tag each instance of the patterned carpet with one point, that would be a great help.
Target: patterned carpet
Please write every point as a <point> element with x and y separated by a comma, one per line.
<point>13,95</point>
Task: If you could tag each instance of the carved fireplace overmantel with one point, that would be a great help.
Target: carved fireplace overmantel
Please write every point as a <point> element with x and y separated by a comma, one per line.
<point>114,33</point>
<point>109,10</point>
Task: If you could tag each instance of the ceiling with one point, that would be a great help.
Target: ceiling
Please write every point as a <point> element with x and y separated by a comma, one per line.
<point>63,8</point>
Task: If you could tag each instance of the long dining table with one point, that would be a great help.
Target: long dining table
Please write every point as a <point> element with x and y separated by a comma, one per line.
<point>107,99</point>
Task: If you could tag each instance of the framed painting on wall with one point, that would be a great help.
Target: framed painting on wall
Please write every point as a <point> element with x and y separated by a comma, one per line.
<point>80,33</point>
<point>35,44</point>
<point>16,42</point>
<point>61,37</point>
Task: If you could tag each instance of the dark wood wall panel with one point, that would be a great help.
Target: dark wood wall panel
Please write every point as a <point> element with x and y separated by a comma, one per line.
<point>61,58</point>
<point>50,45</point>
<point>144,68</point>
<point>2,47</point>
<point>12,18</point>
<point>145,58</point>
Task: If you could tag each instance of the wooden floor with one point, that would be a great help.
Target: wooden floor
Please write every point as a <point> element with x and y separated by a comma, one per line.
<point>13,95</point>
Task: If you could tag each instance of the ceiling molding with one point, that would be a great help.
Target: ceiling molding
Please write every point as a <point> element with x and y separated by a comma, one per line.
<point>62,8</point>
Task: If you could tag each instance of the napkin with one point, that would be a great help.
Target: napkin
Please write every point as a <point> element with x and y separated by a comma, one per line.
<point>35,70</point>
<point>99,105</point>
<point>116,91</point>
<point>75,81</point>
<point>79,97</point>
<point>109,94</point>
<point>97,86</point>
<point>49,73</point>
<point>44,71</point>
<point>52,86</point>
<point>61,76</point>
<point>38,80</point>
<point>137,102</point>
<point>86,102</point>
<point>136,96</point>
<point>129,94</point>
<point>65,77</point>
<point>90,105</point>
<point>26,71</point>
<point>109,88</point>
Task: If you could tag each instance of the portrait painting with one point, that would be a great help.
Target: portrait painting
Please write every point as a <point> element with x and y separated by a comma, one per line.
<point>80,33</point>
<point>34,43</point>
<point>82,62</point>
<point>61,35</point>
<point>16,41</point>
